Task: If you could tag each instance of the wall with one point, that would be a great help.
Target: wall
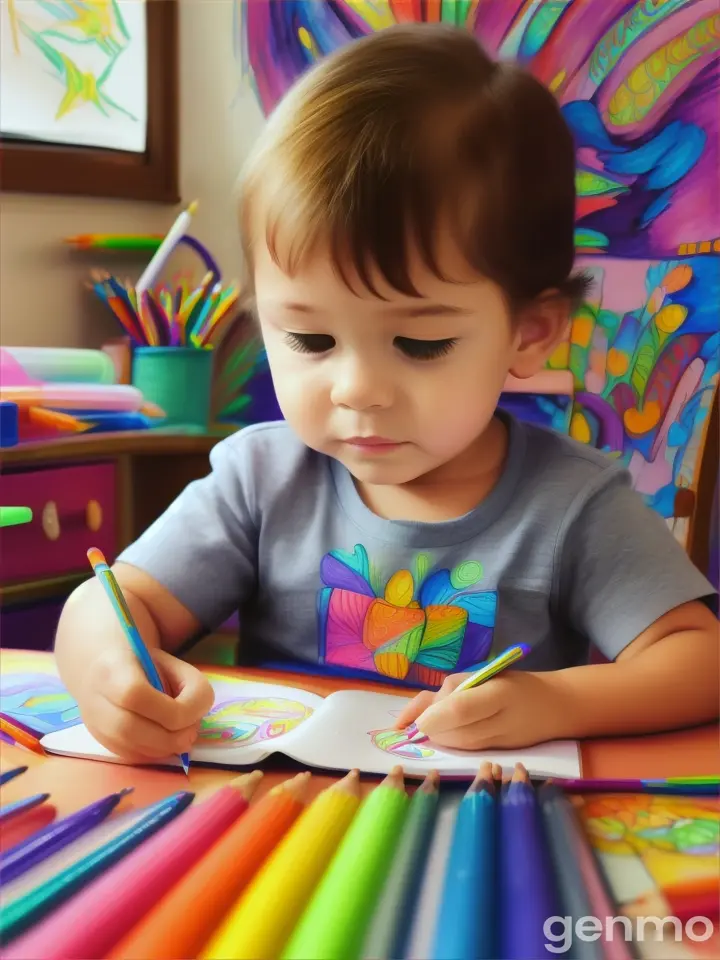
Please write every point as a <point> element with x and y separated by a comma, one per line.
<point>42,296</point>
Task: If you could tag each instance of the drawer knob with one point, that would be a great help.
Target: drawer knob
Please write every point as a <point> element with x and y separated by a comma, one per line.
<point>51,520</point>
<point>93,515</point>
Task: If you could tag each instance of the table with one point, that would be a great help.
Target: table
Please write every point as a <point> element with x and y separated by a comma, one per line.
<point>73,783</point>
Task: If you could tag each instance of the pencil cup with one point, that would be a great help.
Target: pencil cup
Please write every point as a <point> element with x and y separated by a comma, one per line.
<point>177,379</point>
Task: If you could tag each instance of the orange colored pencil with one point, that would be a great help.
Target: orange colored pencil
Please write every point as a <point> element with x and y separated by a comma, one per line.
<point>185,919</point>
<point>21,737</point>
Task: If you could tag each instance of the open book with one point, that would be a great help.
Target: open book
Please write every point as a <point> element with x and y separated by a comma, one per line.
<point>250,721</point>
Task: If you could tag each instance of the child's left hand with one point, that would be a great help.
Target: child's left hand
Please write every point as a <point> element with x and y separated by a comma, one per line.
<point>517,709</point>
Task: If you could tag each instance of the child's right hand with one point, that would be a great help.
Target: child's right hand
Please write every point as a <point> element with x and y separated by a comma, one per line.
<point>126,714</point>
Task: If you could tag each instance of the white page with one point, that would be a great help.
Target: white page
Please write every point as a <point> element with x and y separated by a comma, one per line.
<point>257,719</point>
<point>343,735</point>
<point>73,76</point>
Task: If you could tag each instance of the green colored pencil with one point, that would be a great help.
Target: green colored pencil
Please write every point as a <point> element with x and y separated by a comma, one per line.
<point>390,925</point>
<point>335,921</point>
<point>115,241</point>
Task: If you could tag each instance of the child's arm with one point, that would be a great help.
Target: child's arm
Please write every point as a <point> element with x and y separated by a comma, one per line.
<point>666,678</point>
<point>118,705</point>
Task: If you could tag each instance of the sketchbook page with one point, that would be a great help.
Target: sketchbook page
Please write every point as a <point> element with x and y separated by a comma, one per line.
<point>354,729</point>
<point>247,722</point>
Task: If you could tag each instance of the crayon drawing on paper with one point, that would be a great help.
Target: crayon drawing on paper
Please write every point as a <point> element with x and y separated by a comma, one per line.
<point>638,85</point>
<point>74,72</point>
<point>32,693</point>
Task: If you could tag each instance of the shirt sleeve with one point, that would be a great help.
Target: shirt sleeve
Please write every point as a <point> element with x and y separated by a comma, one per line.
<point>203,548</point>
<point>620,567</point>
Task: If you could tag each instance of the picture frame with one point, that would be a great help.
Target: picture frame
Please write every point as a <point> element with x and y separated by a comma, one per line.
<point>50,168</point>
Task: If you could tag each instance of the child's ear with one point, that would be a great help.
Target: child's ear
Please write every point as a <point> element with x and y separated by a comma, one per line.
<point>539,327</point>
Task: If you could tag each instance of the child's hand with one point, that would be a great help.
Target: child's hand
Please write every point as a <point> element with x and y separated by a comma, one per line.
<point>516,709</point>
<point>134,720</point>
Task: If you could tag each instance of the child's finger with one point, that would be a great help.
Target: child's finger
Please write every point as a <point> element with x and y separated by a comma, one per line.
<point>194,695</point>
<point>413,709</point>
<point>131,733</point>
<point>460,710</point>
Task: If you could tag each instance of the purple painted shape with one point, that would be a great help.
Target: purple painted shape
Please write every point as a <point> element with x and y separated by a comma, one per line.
<point>30,627</point>
<point>335,573</point>
<point>611,434</point>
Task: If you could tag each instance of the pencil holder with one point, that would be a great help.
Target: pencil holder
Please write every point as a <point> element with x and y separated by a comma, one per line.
<point>177,379</point>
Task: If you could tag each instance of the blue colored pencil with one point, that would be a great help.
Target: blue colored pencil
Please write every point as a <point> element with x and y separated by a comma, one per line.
<point>10,810</point>
<point>465,926</point>
<point>527,891</point>
<point>27,910</point>
<point>11,774</point>
<point>39,846</point>
<point>112,589</point>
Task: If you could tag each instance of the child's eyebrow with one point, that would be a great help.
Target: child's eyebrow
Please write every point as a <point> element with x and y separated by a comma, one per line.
<point>411,310</point>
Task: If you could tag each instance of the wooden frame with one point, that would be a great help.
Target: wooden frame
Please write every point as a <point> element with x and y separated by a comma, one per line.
<point>35,167</point>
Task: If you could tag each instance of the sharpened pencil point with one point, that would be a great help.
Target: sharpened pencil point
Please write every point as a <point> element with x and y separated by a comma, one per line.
<point>395,779</point>
<point>247,784</point>
<point>185,760</point>
<point>431,782</point>
<point>192,207</point>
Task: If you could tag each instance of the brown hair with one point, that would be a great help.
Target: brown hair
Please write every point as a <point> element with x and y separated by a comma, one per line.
<point>415,125</point>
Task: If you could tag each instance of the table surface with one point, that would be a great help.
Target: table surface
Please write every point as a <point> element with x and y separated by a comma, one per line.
<point>73,783</point>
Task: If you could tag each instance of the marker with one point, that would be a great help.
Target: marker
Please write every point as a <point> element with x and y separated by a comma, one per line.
<point>491,669</point>
<point>112,589</point>
<point>11,774</point>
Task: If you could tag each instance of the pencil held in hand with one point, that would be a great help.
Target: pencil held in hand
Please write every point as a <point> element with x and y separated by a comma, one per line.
<point>112,589</point>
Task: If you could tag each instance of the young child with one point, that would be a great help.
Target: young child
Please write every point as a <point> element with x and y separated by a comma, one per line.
<point>407,221</point>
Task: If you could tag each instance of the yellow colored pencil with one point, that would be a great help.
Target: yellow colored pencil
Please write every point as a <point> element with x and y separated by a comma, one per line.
<point>261,922</point>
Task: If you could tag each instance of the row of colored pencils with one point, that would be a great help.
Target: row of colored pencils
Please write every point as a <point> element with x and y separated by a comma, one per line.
<point>170,316</point>
<point>474,875</point>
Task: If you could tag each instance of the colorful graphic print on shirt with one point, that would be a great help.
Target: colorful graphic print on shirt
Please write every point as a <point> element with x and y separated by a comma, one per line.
<point>415,626</point>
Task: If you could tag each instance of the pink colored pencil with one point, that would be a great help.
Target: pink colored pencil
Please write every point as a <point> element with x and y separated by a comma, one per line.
<point>91,923</point>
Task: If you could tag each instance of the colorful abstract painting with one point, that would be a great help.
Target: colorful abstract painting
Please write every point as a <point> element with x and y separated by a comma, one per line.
<point>75,71</point>
<point>32,694</point>
<point>251,720</point>
<point>639,86</point>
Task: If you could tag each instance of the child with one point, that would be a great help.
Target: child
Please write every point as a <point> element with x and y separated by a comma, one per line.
<point>407,221</point>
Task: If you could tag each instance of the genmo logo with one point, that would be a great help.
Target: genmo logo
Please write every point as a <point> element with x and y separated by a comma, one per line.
<point>561,932</point>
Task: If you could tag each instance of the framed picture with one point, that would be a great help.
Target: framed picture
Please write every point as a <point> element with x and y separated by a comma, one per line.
<point>89,102</point>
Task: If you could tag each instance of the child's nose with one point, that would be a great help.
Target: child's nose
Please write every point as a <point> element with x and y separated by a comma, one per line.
<point>359,385</point>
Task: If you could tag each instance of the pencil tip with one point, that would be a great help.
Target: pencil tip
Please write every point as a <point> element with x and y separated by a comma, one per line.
<point>431,782</point>
<point>520,774</point>
<point>124,792</point>
<point>396,777</point>
<point>192,207</point>
<point>185,760</point>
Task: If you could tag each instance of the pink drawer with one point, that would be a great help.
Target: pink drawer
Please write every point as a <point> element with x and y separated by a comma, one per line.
<point>73,510</point>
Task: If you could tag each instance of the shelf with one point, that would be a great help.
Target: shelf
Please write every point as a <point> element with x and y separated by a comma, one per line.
<point>135,443</point>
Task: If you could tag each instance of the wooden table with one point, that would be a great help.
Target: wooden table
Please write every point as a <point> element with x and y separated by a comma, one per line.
<point>74,783</point>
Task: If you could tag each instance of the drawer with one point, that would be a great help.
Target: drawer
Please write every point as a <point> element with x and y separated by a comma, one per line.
<point>73,510</point>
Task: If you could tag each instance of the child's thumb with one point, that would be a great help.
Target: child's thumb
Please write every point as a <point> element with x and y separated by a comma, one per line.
<point>190,688</point>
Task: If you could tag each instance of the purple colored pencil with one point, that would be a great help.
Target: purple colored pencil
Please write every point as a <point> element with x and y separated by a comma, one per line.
<point>11,810</point>
<point>527,890</point>
<point>11,774</point>
<point>43,844</point>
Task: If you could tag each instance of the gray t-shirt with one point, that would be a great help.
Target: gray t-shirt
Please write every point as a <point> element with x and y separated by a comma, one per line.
<point>562,553</point>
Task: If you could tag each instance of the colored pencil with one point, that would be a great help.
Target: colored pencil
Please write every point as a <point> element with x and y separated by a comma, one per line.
<point>112,589</point>
<point>486,672</point>
<point>188,916</point>
<point>422,931</point>
<point>391,923</point>
<point>11,774</point>
<point>91,925</point>
<point>21,737</point>
<point>14,516</point>
<point>20,858</point>
<point>573,895</point>
<point>261,922</point>
<point>115,241</point>
<point>165,250</point>
<point>465,926</point>
<point>673,786</point>
<point>526,886</point>
<point>335,921</point>
<point>604,907</point>
<point>20,829</point>
<point>14,809</point>
<point>28,910</point>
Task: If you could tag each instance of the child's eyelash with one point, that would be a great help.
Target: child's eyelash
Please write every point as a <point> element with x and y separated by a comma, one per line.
<point>425,349</point>
<point>309,342</point>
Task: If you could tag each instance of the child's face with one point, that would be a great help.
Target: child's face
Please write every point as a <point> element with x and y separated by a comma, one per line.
<point>392,388</point>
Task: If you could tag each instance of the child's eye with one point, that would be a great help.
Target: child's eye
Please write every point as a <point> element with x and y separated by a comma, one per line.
<point>310,342</point>
<point>425,349</point>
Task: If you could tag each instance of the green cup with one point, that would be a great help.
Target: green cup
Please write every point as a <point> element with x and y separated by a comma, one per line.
<point>179,380</point>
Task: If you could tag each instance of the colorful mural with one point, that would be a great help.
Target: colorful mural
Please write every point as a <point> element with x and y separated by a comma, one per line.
<point>639,85</point>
